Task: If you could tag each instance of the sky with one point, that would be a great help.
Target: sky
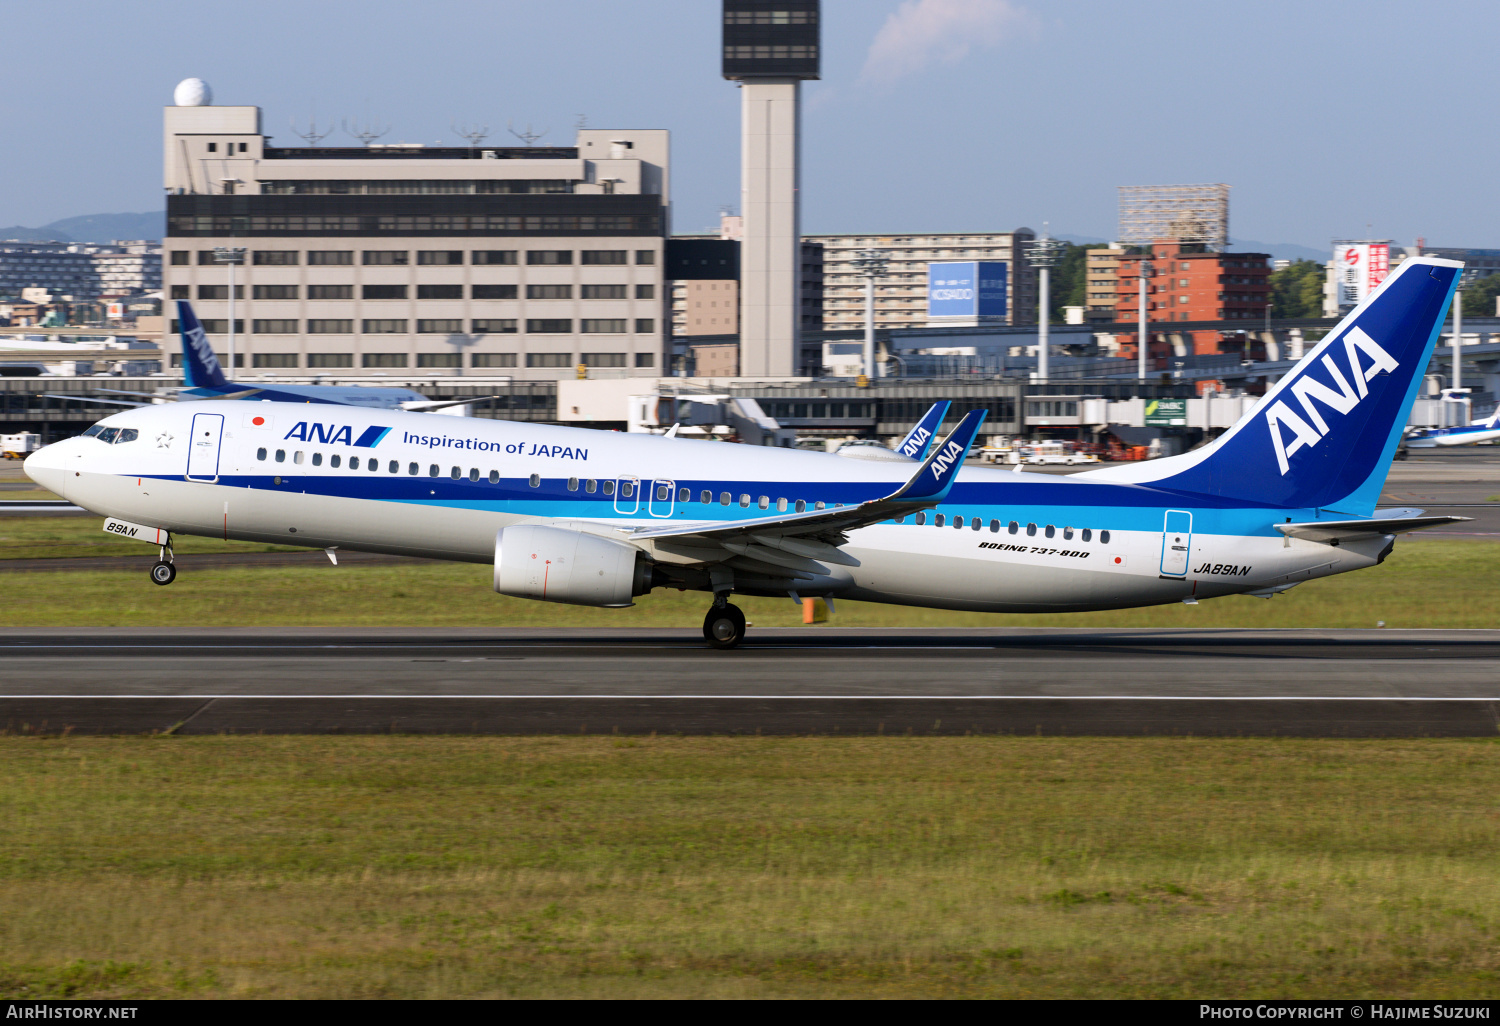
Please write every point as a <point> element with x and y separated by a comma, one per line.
<point>1329,120</point>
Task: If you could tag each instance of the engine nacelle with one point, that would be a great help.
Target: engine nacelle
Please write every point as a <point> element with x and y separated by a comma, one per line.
<point>554,564</point>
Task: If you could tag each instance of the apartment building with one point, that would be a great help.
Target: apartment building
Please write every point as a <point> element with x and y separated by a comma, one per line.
<point>80,271</point>
<point>901,296</point>
<point>520,261</point>
<point>1188,283</point>
<point>1102,283</point>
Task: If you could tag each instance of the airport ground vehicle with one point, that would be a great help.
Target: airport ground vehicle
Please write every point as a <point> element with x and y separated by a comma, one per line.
<point>19,446</point>
<point>596,518</point>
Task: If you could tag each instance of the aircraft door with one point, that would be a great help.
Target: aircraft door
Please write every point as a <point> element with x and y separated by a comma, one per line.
<point>663,495</point>
<point>203,447</point>
<point>627,495</point>
<point>1176,543</point>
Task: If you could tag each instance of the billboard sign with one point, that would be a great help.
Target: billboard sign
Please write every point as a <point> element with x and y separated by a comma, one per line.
<point>967,289</point>
<point>1359,268</point>
<point>1166,413</point>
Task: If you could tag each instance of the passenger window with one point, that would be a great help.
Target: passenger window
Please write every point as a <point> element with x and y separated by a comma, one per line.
<point>627,489</point>
<point>335,460</point>
<point>353,462</point>
<point>938,519</point>
<point>662,491</point>
<point>373,465</point>
<point>781,505</point>
<point>994,527</point>
<point>473,473</point>
<point>297,457</point>
<point>976,524</point>
<point>899,520</point>
<point>706,497</point>
<point>744,501</point>
<point>820,505</point>
<point>1067,534</point>
<point>958,522</point>
<point>1088,535</point>
<point>1014,527</point>
<point>608,488</point>
<point>764,502</point>
<point>1051,531</point>
<point>920,519</point>
<point>725,499</point>
<point>572,484</point>
<point>802,506</point>
<point>1031,530</point>
<point>591,486</point>
<point>433,470</point>
<point>494,477</point>
<point>127,435</point>
<point>684,495</point>
<point>411,468</point>
<point>456,473</point>
<point>395,467</point>
<point>107,435</point>
<point>317,459</point>
<point>536,480</point>
<point>260,454</point>
<point>1104,537</point>
<point>280,455</point>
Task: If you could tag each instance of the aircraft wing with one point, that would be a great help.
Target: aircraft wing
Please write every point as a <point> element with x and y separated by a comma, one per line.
<point>441,404</point>
<point>796,541</point>
<point>92,399</point>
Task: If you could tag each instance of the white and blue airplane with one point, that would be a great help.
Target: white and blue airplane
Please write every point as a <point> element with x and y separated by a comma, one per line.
<point>1469,434</point>
<point>578,516</point>
<point>203,377</point>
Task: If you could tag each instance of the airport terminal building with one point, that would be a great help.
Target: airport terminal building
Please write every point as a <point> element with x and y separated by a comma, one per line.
<point>399,259</point>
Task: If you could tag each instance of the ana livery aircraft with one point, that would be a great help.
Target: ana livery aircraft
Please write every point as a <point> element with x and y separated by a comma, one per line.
<point>204,378</point>
<point>1483,431</point>
<point>594,518</point>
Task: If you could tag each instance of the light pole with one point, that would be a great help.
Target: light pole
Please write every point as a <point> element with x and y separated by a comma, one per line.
<point>870,264</point>
<point>1465,279</point>
<point>230,255</point>
<point>1044,253</point>
<point>1140,355</point>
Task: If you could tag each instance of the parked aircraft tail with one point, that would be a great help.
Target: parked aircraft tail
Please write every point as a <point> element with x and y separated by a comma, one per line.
<point>1324,436</point>
<point>200,367</point>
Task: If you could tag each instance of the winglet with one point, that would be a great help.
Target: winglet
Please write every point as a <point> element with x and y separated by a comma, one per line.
<point>919,439</point>
<point>931,483</point>
<point>200,367</point>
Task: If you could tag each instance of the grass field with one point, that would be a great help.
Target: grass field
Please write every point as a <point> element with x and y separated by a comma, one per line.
<point>447,867</point>
<point>1425,583</point>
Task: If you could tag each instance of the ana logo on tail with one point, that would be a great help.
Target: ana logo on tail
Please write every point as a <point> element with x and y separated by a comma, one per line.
<point>1308,390</point>
<point>916,443</point>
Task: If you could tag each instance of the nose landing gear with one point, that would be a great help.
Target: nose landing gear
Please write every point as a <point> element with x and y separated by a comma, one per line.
<point>724,626</point>
<point>163,571</point>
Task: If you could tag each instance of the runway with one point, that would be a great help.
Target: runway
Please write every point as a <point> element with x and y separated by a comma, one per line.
<point>812,681</point>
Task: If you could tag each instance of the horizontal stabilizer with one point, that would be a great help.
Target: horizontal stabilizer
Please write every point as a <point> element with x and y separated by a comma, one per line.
<point>1340,530</point>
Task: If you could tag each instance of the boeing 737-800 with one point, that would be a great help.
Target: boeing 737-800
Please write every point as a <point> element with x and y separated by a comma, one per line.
<point>573,515</point>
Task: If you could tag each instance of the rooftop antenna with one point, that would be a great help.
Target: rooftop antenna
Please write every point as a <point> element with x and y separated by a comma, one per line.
<point>365,133</point>
<point>528,137</point>
<point>313,135</point>
<point>473,134</point>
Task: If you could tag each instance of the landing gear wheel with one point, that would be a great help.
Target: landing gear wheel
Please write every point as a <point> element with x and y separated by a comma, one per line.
<point>724,626</point>
<point>163,572</point>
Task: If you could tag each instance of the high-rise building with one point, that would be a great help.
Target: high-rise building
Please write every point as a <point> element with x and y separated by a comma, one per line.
<point>901,296</point>
<point>770,47</point>
<point>521,261</point>
<point>1191,283</point>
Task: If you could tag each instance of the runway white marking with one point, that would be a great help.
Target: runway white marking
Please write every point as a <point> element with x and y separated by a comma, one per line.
<point>818,698</point>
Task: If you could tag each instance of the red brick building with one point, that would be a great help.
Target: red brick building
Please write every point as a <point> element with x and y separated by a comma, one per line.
<point>1188,284</point>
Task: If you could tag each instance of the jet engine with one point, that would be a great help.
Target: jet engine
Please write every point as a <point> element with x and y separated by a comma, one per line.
<point>558,565</point>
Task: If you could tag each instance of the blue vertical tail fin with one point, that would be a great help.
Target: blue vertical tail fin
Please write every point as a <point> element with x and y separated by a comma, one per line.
<point>1324,436</point>
<point>200,367</point>
<point>920,438</point>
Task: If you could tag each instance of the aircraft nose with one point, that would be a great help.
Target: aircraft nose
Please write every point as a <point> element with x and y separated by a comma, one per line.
<point>47,465</point>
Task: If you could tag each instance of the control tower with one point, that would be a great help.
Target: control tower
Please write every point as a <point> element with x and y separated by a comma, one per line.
<point>770,46</point>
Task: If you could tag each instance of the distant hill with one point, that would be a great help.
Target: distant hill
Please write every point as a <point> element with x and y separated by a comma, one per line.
<point>93,228</point>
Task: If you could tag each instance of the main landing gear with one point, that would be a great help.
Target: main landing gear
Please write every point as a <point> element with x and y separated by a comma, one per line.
<point>724,626</point>
<point>163,571</point>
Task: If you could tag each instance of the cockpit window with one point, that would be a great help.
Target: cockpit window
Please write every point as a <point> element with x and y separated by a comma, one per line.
<point>107,436</point>
<point>127,435</point>
<point>92,431</point>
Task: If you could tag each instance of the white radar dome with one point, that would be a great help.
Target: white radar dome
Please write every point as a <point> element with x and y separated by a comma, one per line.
<point>192,92</point>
